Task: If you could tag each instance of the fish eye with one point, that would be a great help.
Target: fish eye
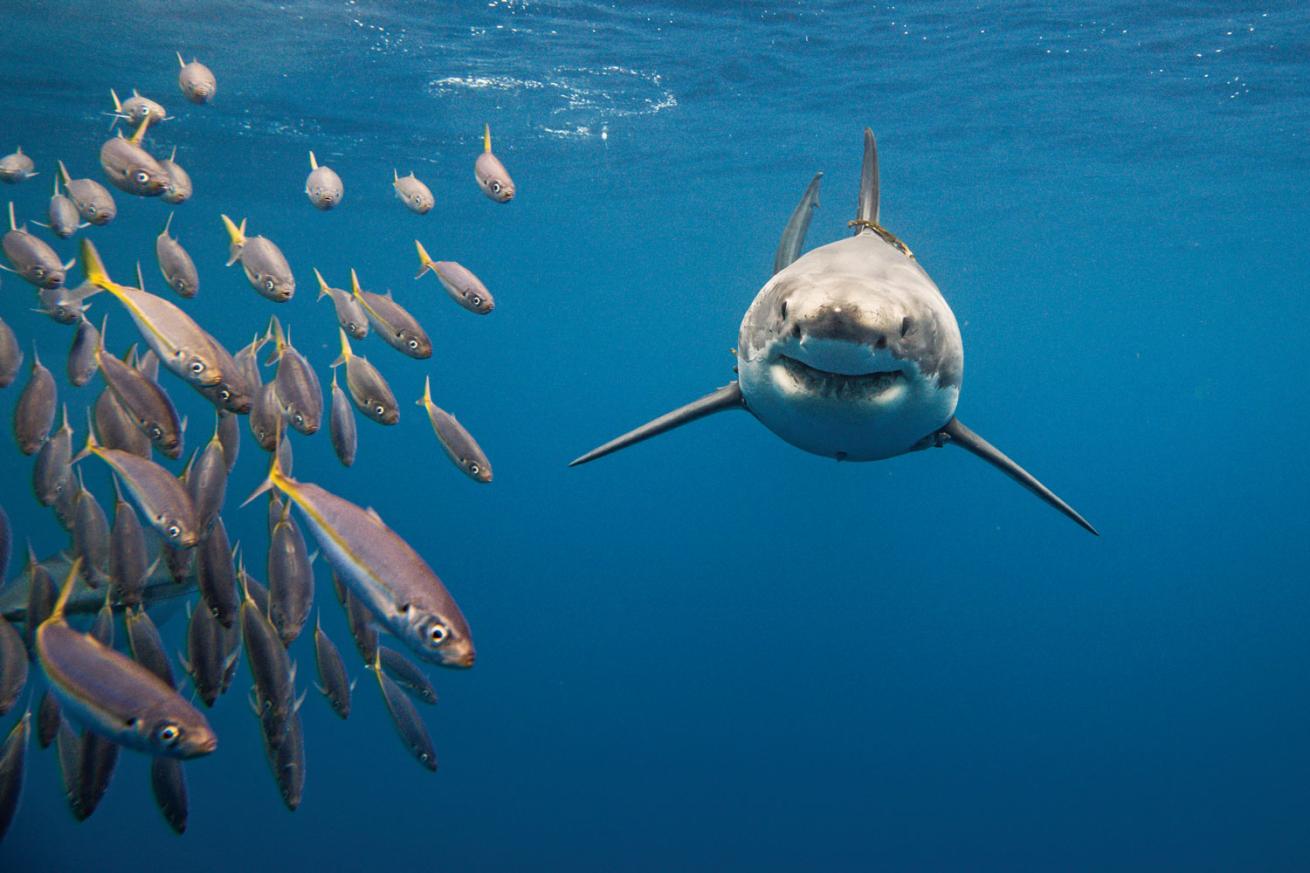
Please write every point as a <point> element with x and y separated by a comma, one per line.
<point>269,283</point>
<point>474,469</point>
<point>300,419</point>
<point>416,199</point>
<point>155,432</point>
<point>197,367</point>
<point>142,177</point>
<point>495,186</point>
<point>380,409</point>
<point>168,734</point>
<point>38,272</point>
<point>173,531</point>
<point>477,301</point>
<point>413,343</point>
<point>437,634</point>
<point>224,394</point>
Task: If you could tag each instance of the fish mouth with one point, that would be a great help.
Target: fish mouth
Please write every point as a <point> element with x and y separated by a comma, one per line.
<point>842,385</point>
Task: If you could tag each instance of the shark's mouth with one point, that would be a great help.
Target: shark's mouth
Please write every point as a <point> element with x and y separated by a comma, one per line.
<point>840,385</point>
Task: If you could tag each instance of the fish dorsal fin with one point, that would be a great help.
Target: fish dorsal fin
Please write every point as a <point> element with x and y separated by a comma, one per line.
<point>867,208</point>
<point>181,63</point>
<point>373,514</point>
<point>118,106</point>
<point>395,177</point>
<point>65,591</point>
<point>313,162</point>
<point>63,171</point>
<point>486,138</point>
<point>168,224</point>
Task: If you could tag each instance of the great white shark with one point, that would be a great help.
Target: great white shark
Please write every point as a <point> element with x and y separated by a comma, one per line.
<point>849,351</point>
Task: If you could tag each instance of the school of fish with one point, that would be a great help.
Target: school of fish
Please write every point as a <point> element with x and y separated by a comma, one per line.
<point>76,631</point>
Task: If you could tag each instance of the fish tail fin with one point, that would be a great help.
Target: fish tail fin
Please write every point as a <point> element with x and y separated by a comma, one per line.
<point>94,268</point>
<point>236,235</point>
<point>345,352</point>
<point>354,283</point>
<point>65,591</point>
<point>135,139</point>
<point>91,444</point>
<point>275,473</point>
<point>425,261</point>
<point>169,222</point>
<point>279,339</point>
<point>426,400</point>
<point>486,137</point>
<point>322,284</point>
<point>313,162</point>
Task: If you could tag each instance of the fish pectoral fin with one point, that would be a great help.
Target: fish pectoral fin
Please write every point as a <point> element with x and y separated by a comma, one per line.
<point>956,433</point>
<point>727,397</point>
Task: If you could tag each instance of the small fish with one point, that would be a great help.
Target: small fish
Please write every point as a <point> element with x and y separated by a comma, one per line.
<point>11,355</point>
<point>179,188</point>
<point>129,569</point>
<point>264,417</point>
<point>47,719</point>
<point>207,482</point>
<point>416,196</point>
<point>290,580</point>
<point>115,427</point>
<point>68,746</point>
<point>131,168</point>
<point>248,361</point>
<point>265,266</point>
<point>459,444</point>
<point>333,682</point>
<point>93,201</point>
<point>147,646</point>
<point>383,570</point>
<point>490,173</point>
<point>359,620</point>
<point>32,258</point>
<point>35,413</point>
<point>183,347</point>
<point>12,754</point>
<point>215,575</point>
<point>161,498</point>
<point>102,629</point>
<point>196,81</point>
<point>176,265</point>
<point>65,220</point>
<point>99,759</point>
<point>137,109</point>
<point>252,586</point>
<point>232,393</point>
<point>341,425</point>
<point>90,535</point>
<point>369,391</point>
<point>168,784</point>
<point>179,562</point>
<point>287,760</point>
<point>274,693</point>
<point>16,167</point>
<point>41,597</point>
<point>298,388</point>
<point>13,666</point>
<point>323,186</point>
<point>113,695</point>
<point>407,675</point>
<point>82,353</point>
<point>229,436</point>
<point>409,724</point>
<point>463,287</point>
<point>53,470</point>
<point>350,315</point>
<point>143,400</point>
<point>63,304</point>
<point>205,659</point>
<point>394,324</point>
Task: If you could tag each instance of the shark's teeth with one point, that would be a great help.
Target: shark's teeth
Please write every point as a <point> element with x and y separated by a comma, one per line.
<point>839,385</point>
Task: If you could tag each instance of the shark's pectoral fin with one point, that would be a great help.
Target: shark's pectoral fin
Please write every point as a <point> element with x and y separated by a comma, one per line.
<point>957,434</point>
<point>727,397</point>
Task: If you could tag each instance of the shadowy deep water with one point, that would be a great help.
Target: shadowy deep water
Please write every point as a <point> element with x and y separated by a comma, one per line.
<point>713,651</point>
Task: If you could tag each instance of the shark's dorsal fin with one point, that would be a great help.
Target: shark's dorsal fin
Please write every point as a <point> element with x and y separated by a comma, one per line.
<point>793,235</point>
<point>727,397</point>
<point>956,433</point>
<point>867,210</point>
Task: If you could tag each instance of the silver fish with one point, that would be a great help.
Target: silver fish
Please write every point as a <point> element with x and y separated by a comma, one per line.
<point>65,220</point>
<point>68,746</point>
<point>176,265</point>
<point>463,287</point>
<point>408,723</point>
<point>229,436</point>
<point>144,401</point>
<point>147,646</point>
<point>298,387</point>
<point>394,324</point>
<point>16,167</point>
<point>383,570</point>
<point>179,186</point>
<point>207,482</point>
<point>290,580</point>
<point>459,444</point>
<point>341,425</point>
<point>265,266</point>
<point>333,682</point>
<point>359,620</point>
<point>35,412</point>
<point>137,109</point>
<point>350,315</point>
<point>287,760</point>
<point>115,427</point>
<point>13,666</point>
<point>93,201</point>
<point>113,695</point>
<point>247,360</point>
<point>47,719</point>
<point>416,196</point>
<point>99,758</point>
<point>11,355</point>
<point>369,391</point>
<point>53,470</point>
<point>274,693</point>
<point>264,417</point>
<point>12,754</point>
<point>131,168</point>
<point>196,81</point>
<point>323,186</point>
<point>129,569</point>
<point>63,304</point>
<point>232,393</point>
<point>215,575</point>
<point>407,675</point>
<point>161,498</point>
<point>31,256</point>
<point>168,784</point>
<point>492,177</point>
<point>82,354</point>
<point>209,648</point>
<point>90,535</point>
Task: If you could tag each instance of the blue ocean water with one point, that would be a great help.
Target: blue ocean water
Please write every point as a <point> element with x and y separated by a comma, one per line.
<point>713,651</point>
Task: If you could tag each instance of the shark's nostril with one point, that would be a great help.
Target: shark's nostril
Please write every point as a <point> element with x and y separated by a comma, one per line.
<point>881,342</point>
<point>796,331</point>
<point>907,325</point>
